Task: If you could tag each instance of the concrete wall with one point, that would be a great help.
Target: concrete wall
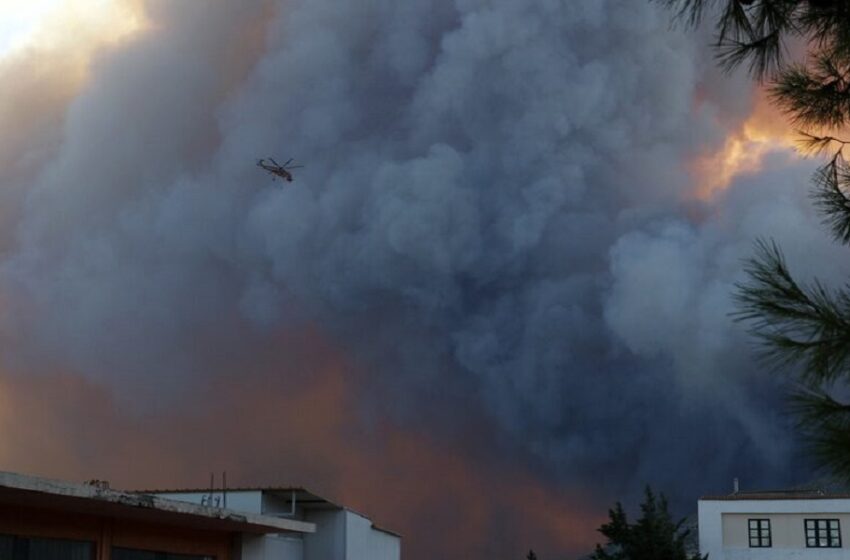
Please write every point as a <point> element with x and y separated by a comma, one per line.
<point>363,542</point>
<point>340,534</point>
<point>723,529</point>
<point>328,542</point>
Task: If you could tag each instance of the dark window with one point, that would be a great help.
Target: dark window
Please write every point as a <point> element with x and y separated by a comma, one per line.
<point>759,533</point>
<point>823,533</point>
<point>27,548</point>
<point>119,553</point>
<point>7,547</point>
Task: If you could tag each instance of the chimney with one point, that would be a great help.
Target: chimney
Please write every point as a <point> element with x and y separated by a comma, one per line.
<point>735,487</point>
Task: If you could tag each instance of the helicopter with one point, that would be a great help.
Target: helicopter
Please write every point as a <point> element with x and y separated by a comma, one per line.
<point>275,168</point>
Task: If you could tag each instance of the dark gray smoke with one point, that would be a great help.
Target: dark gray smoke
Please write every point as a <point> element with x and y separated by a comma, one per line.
<point>496,215</point>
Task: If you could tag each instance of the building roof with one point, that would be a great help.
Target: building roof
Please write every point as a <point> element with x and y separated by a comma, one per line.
<point>780,495</point>
<point>303,496</point>
<point>97,499</point>
<point>387,531</point>
<point>196,490</point>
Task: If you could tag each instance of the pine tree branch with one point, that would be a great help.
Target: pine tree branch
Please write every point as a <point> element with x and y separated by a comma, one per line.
<point>734,23</point>
<point>817,144</point>
<point>832,182</point>
<point>826,424</point>
<point>817,94</point>
<point>806,326</point>
<point>755,31</point>
<point>764,54</point>
<point>826,22</point>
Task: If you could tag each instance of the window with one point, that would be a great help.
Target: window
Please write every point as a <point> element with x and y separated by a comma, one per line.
<point>25,548</point>
<point>823,533</point>
<point>119,553</point>
<point>759,533</point>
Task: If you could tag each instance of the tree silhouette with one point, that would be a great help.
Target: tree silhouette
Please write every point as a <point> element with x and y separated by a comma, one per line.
<point>654,536</point>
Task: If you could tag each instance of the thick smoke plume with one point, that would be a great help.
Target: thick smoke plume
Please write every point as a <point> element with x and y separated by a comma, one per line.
<point>496,227</point>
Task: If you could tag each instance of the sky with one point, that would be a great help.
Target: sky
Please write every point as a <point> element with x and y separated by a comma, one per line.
<point>495,299</point>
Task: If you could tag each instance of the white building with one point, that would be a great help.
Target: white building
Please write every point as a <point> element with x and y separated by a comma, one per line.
<point>339,534</point>
<point>42,519</point>
<point>775,525</point>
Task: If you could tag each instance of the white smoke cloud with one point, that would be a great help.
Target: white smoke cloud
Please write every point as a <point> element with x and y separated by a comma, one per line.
<point>674,281</point>
<point>493,192</point>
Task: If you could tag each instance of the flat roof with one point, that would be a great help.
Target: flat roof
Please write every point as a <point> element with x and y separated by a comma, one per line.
<point>196,490</point>
<point>779,495</point>
<point>387,531</point>
<point>303,496</point>
<point>32,491</point>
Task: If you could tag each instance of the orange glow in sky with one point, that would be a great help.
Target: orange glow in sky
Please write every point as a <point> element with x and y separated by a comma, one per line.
<point>766,130</point>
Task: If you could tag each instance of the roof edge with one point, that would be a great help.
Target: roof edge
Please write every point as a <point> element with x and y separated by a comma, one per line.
<point>27,483</point>
<point>269,489</point>
<point>774,496</point>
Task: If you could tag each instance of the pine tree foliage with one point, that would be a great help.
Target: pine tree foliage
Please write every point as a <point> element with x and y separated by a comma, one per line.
<point>804,326</point>
<point>832,182</point>
<point>828,422</point>
<point>801,325</point>
<point>757,32</point>
<point>654,536</point>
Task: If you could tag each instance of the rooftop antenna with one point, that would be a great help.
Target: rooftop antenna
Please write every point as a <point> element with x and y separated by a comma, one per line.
<point>207,500</point>
<point>224,489</point>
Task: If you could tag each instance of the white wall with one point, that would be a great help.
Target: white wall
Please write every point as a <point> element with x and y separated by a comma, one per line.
<point>713,514</point>
<point>284,548</point>
<point>363,542</point>
<point>340,534</point>
<point>328,542</point>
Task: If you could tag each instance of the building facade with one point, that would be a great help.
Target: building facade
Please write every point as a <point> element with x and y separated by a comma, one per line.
<point>775,525</point>
<point>340,532</point>
<point>43,519</point>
